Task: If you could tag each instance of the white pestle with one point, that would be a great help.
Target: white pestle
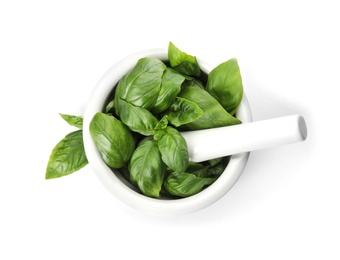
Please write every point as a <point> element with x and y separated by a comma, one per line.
<point>213,143</point>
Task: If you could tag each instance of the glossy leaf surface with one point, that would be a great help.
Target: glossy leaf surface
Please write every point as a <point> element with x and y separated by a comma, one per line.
<point>67,156</point>
<point>113,139</point>
<point>147,168</point>
<point>225,84</point>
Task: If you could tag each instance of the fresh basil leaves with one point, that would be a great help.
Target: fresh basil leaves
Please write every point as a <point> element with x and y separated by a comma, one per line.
<point>214,115</point>
<point>183,62</point>
<point>141,86</point>
<point>68,155</point>
<point>113,139</point>
<point>174,150</point>
<point>76,121</point>
<point>157,99</point>
<point>147,168</point>
<point>225,84</point>
<point>185,184</point>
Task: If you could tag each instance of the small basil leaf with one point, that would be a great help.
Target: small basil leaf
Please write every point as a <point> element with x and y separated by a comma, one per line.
<point>214,115</point>
<point>162,124</point>
<point>182,61</point>
<point>183,111</point>
<point>67,156</point>
<point>113,139</point>
<point>185,184</point>
<point>140,87</point>
<point>216,170</point>
<point>160,128</point>
<point>174,150</point>
<point>110,107</point>
<point>137,119</point>
<point>197,169</point>
<point>76,121</point>
<point>215,161</point>
<point>147,168</point>
<point>170,87</point>
<point>225,84</point>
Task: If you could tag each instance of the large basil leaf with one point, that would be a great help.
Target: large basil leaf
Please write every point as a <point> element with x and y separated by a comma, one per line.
<point>76,121</point>
<point>225,84</point>
<point>182,61</point>
<point>67,156</point>
<point>183,111</point>
<point>174,150</point>
<point>185,184</point>
<point>147,168</point>
<point>214,115</point>
<point>140,87</point>
<point>113,139</point>
<point>170,87</point>
<point>138,119</point>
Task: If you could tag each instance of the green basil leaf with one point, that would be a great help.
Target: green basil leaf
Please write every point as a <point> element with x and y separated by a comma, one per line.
<point>140,87</point>
<point>160,128</point>
<point>67,156</point>
<point>76,121</point>
<point>214,115</point>
<point>110,107</point>
<point>162,124</point>
<point>113,139</point>
<point>197,169</point>
<point>185,184</point>
<point>137,119</point>
<point>215,161</point>
<point>183,111</point>
<point>170,87</point>
<point>216,170</point>
<point>182,61</point>
<point>225,84</point>
<point>193,82</point>
<point>147,168</point>
<point>174,150</point>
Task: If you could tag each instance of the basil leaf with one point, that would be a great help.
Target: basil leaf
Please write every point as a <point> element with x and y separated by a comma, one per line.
<point>216,170</point>
<point>162,124</point>
<point>67,156</point>
<point>140,87</point>
<point>183,111</point>
<point>215,161</point>
<point>185,184</point>
<point>214,115</point>
<point>174,150</point>
<point>197,169</point>
<point>225,84</point>
<point>110,107</point>
<point>137,119</point>
<point>193,82</point>
<point>113,139</point>
<point>182,61</point>
<point>147,168</point>
<point>76,121</point>
<point>170,87</point>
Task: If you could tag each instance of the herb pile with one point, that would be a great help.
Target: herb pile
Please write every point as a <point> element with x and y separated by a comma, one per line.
<point>157,99</point>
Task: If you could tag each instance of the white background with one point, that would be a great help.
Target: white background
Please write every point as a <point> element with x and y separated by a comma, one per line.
<point>284,206</point>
